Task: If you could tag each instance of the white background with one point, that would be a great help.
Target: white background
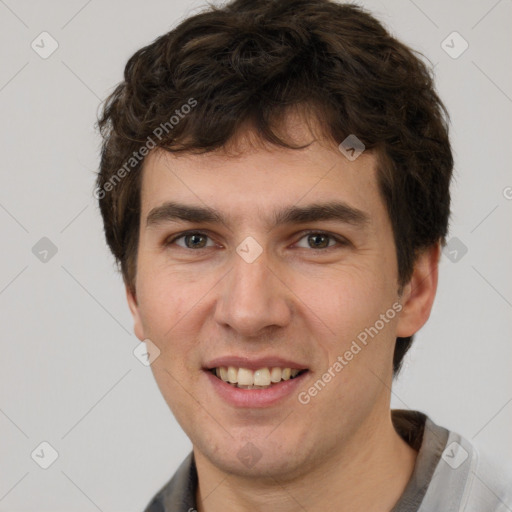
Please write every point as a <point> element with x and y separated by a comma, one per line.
<point>68,375</point>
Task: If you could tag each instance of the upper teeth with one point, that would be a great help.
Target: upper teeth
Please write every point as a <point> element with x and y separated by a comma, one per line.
<point>260,377</point>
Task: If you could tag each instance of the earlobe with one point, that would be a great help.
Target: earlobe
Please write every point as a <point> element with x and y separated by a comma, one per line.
<point>134,309</point>
<point>419,293</point>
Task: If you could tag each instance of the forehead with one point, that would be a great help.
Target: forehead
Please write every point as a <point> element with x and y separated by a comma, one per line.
<point>260,187</point>
<point>250,180</point>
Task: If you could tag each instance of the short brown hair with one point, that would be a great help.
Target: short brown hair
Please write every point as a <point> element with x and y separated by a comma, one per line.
<point>251,62</point>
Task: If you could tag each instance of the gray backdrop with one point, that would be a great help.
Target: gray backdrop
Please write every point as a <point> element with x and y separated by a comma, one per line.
<point>68,374</point>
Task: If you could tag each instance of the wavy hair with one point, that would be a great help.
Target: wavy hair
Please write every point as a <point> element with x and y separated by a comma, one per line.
<point>250,61</point>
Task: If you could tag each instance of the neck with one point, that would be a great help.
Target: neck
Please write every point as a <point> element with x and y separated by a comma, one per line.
<point>369,474</point>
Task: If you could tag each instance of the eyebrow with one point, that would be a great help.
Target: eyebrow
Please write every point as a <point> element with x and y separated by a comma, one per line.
<point>333,210</point>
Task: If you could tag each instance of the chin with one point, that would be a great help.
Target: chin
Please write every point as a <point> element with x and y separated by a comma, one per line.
<point>256,456</point>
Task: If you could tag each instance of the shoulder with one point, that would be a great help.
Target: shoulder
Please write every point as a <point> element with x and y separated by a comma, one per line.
<point>178,494</point>
<point>489,485</point>
<point>468,479</point>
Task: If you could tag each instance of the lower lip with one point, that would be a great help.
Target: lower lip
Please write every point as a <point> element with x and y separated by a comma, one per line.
<point>255,398</point>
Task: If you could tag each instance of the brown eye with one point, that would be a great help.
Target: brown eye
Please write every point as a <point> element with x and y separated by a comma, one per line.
<point>321,240</point>
<point>318,241</point>
<point>192,240</point>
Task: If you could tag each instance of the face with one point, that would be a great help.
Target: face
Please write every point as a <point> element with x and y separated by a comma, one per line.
<point>268,283</point>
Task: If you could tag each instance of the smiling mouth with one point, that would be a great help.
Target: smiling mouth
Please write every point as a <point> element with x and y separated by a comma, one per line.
<point>262,378</point>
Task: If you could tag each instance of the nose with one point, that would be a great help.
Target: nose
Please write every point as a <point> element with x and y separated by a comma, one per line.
<point>253,298</point>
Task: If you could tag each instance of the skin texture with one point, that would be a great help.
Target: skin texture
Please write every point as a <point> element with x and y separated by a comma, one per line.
<point>340,450</point>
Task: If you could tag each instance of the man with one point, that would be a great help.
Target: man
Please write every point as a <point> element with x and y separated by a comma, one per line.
<point>274,184</point>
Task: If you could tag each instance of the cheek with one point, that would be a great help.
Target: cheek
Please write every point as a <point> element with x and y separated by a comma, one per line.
<point>165,300</point>
<point>174,303</point>
<point>167,293</point>
<point>349,302</point>
<point>345,298</point>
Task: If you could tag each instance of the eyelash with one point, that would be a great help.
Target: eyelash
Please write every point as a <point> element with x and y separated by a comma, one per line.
<point>341,241</point>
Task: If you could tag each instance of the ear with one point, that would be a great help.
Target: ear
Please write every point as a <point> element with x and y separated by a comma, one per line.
<point>134,308</point>
<point>419,293</point>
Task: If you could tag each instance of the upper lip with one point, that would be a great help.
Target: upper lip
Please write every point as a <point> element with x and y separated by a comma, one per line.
<point>254,363</point>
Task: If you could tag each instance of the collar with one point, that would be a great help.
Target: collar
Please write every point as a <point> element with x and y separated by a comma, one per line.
<point>429,439</point>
